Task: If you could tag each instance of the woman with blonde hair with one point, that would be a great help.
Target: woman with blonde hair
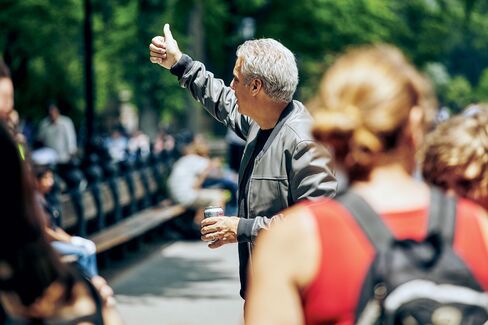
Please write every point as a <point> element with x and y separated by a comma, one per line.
<point>455,155</point>
<point>371,109</point>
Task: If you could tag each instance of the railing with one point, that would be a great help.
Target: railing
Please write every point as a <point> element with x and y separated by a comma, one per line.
<point>113,203</point>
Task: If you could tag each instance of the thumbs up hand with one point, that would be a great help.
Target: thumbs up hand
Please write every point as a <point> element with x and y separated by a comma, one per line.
<point>164,50</point>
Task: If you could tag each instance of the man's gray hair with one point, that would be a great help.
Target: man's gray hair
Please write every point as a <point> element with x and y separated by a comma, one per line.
<point>271,62</point>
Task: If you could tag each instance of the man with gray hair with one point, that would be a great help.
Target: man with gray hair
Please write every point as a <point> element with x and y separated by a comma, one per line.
<point>281,163</point>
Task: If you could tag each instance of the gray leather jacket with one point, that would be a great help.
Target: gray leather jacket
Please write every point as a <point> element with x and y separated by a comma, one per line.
<point>289,168</point>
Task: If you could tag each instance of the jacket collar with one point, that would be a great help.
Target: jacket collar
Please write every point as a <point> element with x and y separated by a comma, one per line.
<point>253,135</point>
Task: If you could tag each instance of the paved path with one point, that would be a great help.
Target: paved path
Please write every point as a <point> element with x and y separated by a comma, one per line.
<point>183,283</point>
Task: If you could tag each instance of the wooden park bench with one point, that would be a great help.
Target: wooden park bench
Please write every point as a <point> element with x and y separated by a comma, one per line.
<point>134,226</point>
<point>122,230</point>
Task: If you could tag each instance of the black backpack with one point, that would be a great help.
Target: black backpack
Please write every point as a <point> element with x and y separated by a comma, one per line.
<point>412,282</point>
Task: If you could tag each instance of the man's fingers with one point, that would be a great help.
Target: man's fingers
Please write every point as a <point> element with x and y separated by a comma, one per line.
<point>158,41</point>
<point>206,230</point>
<point>167,33</point>
<point>156,60</point>
<point>157,49</point>
<point>213,236</point>
<point>208,221</point>
<point>216,244</point>
<point>157,54</point>
<point>210,229</point>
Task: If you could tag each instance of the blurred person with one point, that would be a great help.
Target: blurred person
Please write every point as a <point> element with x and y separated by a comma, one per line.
<point>35,286</point>
<point>372,108</point>
<point>6,92</point>
<point>83,249</point>
<point>57,132</point>
<point>117,145</point>
<point>187,176</point>
<point>42,155</point>
<point>218,176</point>
<point>455,155</point>
<point>139,143</point>
<point>8,114</point>
<point>164,143</point>
<point>281,164</point>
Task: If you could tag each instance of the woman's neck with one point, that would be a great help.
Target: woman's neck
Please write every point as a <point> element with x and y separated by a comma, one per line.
<point>392,188</point>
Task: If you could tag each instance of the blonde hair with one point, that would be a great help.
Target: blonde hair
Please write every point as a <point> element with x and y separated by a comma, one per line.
<point>363,104</point>
<point>457,150</point>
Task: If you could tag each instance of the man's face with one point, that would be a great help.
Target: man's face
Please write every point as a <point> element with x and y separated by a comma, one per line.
<point>53,113</point>
<point>242,91</point>
<point>6,97</point>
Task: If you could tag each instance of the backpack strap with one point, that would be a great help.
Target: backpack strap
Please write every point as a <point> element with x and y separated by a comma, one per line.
<point>442,215</point>
<point>378,233</point>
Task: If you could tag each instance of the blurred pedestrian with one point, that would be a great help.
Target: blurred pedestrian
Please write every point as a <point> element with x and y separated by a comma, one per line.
<point>281,164</point>
<point>6,92</point>
<point>57,132</point>
<point>138,144</point>
<point>8,114</point>
<point>117,145</point>
<point>455,155</point>
<point>319,265</point>
<point>187,176</point>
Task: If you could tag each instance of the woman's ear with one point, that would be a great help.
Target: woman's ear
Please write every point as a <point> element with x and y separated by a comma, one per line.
<point>416,128</point>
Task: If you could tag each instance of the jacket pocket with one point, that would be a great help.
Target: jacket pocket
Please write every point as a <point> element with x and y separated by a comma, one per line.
<point>268,195</point>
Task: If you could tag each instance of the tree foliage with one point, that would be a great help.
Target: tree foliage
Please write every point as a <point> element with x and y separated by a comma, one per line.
<point>42,41</point>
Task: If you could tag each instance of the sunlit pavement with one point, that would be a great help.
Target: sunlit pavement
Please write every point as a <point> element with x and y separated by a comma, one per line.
<point>182,283</point>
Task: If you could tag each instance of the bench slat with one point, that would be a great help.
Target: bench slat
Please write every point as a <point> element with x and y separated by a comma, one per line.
<point>134,226</point>
<point>108,203</point>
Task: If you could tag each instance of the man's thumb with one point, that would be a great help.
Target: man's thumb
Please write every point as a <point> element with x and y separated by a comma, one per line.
<point>167,33</point>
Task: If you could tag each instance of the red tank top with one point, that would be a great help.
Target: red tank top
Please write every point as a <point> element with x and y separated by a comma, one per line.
<point>346,255</point>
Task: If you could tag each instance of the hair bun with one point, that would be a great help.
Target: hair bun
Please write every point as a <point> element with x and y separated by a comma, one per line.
<point>336,121</point>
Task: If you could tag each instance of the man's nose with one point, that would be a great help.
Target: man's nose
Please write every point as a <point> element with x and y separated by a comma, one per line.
<point>232,85</point>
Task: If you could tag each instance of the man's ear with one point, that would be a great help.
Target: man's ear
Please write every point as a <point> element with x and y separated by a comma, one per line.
<point>256,85</point>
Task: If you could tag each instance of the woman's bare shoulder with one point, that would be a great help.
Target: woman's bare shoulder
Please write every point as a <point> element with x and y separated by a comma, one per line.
<point>294,244</point>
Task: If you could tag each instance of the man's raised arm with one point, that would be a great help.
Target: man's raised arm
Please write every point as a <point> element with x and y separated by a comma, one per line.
<point>217,99</point>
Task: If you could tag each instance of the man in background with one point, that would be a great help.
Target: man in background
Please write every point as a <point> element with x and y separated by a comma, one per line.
<point>57,132</point>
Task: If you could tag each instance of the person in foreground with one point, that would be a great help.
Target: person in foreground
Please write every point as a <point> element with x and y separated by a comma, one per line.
<point>371,108</point>
<point>35,286</point>
<point>281,164</point>
<point>455,155</point>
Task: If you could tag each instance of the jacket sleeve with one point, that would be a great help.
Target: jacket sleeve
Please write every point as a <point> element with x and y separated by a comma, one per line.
<point>310,177</point>
<point>248,229</point>
<point>217,99</point>
<point>310,174</point>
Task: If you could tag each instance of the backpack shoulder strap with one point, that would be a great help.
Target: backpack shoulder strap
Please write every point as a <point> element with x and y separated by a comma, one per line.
<point>378,233</point>
<point>442,215</point>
